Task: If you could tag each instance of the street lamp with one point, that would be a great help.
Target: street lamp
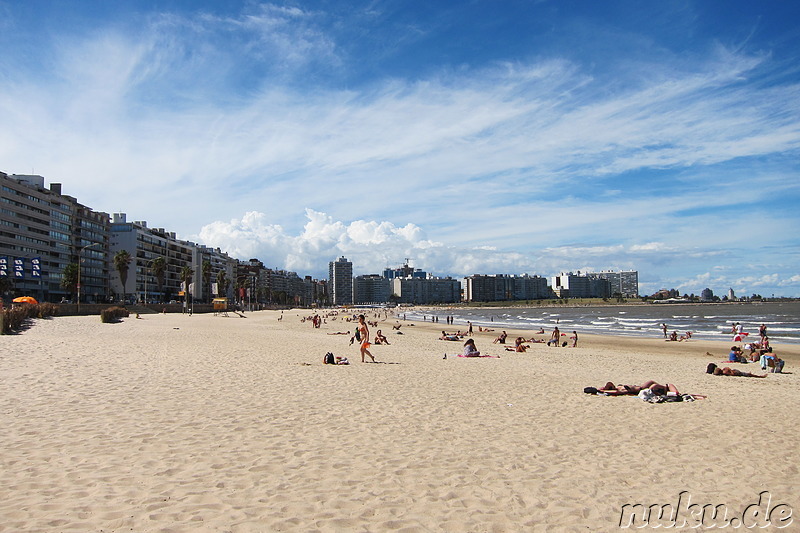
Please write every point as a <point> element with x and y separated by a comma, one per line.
<point>80,258</point>
<point>253,276</point>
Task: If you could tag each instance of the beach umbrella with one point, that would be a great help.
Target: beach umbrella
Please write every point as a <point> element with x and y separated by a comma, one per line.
<point>25,300</point>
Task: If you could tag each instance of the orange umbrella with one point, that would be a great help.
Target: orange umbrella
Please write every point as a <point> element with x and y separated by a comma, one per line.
<point>25,300</point>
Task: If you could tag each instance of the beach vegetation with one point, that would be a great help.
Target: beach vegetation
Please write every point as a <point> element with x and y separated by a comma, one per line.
<point>6,284</point>
<point>110,315</point>
<point>186,278</point>
<point>159,268</point>
<point>16,317</point>
<point>205,270</point>
<point>222,282</point>
<point>69,278</point>
<point>122,262</point>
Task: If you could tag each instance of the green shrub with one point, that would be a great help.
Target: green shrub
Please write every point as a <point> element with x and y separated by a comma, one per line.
<point>110,315</point>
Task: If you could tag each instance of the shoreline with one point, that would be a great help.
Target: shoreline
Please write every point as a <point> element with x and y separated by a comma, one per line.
<point>201,423</point>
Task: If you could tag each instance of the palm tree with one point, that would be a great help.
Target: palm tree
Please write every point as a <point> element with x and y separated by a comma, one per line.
<point>186,278</point>
<point>6,284</point>
<point>122,262</point>
<point>159,268</point>
<point>222,283</point>
<point>206,270</point>
<point>69,278</point>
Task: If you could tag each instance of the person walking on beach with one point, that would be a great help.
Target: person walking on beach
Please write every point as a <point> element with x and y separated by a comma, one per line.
<point>363,331</point>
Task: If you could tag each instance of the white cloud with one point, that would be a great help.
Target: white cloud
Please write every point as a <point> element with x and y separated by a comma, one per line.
<point>506,168</point>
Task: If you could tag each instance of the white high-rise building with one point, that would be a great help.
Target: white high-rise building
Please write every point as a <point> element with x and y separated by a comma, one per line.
<point>340,281</point>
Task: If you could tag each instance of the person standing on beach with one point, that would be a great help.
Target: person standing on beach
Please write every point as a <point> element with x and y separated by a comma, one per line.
<point>555,338</point>
<point>363,331</point>
<point>574,339</point>
<point>470,328</point>
<point>664,329</point>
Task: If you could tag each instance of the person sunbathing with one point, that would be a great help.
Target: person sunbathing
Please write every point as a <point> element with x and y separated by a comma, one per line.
<point>726,371</point>
<point>622,390</point>
<point>501,338</point>
<point>448,337</point>
<point>656,388</point>
<point>518,346</point>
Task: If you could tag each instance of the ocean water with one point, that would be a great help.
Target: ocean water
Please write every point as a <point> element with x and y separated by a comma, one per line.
<point>705,321</point>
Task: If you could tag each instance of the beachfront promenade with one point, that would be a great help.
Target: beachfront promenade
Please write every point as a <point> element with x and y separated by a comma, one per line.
<point>204,423</point>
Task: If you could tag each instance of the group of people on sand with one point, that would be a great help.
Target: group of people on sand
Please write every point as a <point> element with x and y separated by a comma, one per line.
<point>765,358</point>
<point>521,344</point>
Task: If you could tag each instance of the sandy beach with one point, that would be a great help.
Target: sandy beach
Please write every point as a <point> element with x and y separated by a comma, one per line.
<point>176,423</point>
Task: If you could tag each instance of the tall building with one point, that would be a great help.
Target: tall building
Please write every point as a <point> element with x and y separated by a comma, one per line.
<point>340,279</point>
<point>144,245</point>
<point>503,287</point>
<point>428,290</point>
<point>371,289</point>
<point>404,271</point>
<point>625,282</point>
<point>42,232</point>
<point>207,287</point>
<point>569,285</point>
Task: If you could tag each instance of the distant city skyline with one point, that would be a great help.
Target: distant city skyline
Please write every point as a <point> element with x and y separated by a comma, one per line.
<point>473,138</point>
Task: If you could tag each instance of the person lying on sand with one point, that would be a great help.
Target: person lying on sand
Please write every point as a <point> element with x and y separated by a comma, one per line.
<point>623,390</point>
<point>668,390</point>
<point>727,371</point>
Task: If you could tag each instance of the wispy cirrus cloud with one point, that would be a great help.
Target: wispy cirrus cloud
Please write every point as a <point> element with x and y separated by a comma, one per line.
<point>240,123</point>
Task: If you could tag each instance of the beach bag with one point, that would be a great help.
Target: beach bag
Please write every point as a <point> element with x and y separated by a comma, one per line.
<point>710,368</point>
<point>329,359</point>
<point>358,335</point>
<point>590,390</point>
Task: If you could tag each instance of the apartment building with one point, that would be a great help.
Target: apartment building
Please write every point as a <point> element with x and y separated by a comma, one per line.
<point>43,233</point>
<point>504,287</point>
<point>428,290</point>
<point>624,282</point>
<point>340,281</point>
<point>371,289</point>
<point>145,244</point>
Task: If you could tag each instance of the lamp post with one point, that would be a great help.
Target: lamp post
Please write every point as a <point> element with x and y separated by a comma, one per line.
<point>252,290</point>
<point>80,259</point>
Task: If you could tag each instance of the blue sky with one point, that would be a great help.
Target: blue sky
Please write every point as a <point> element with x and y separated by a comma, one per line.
<point>471,137</point>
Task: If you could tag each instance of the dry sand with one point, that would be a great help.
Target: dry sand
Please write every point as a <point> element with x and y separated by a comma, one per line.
<point>205,423</point>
